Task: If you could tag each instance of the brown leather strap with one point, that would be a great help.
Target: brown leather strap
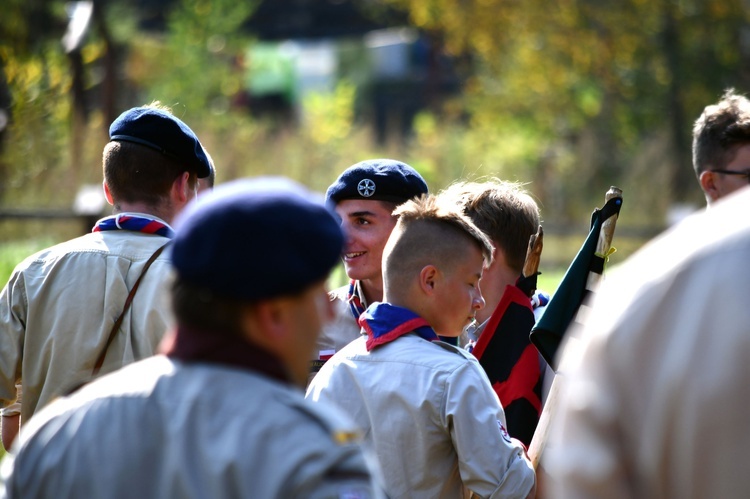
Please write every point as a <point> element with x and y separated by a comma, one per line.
<point>128,301</point>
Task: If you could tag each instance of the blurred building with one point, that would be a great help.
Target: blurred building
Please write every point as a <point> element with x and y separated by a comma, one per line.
<point>310,45</point>
<point>305,46</point>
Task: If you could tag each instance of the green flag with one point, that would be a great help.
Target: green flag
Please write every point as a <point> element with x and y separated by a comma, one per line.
<point>547,334</point>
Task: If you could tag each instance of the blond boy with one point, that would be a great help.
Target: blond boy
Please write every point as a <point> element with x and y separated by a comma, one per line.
<point>427,407</point>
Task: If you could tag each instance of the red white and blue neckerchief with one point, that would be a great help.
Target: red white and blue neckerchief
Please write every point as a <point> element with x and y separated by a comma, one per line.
<point>355,300</point>
<point>540,299</point>
<point>135,223</point>
<point>384,323</point>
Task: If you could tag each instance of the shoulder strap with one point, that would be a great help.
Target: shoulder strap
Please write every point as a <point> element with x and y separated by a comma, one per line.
<point>128,301</point>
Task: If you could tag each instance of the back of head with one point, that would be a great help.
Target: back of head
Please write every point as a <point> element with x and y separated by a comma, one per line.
<point>430,231</point>
<point>252,240</point>
<point>503,210</point>
<point>719,130</point>
<point>148,149</point>
<point>377,180</point>
<point>206,184</point>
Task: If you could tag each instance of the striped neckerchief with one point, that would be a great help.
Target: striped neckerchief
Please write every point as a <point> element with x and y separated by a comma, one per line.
<point>384,323</point>
<point>135,223</point>
<point>355,297</point>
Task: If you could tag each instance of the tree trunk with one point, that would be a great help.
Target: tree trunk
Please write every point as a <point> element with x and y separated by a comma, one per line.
<point>109,84</point>
<point>682,180</point>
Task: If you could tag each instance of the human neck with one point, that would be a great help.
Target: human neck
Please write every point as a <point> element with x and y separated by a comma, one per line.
<point>409,300</point>
<point>372,289</point>
<point>146,208</point>
<point>494,281</point>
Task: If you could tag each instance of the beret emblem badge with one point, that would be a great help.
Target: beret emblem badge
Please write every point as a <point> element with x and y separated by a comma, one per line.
<point>366,187</point>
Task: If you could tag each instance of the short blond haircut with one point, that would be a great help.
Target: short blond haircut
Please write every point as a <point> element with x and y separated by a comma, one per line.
<point>430,230</point>
<point>503,210</point>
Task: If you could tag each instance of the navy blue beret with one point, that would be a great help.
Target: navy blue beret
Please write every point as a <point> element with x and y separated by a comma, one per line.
<point>163,132</point>
<point>377,179</point>
<point>256,239</point>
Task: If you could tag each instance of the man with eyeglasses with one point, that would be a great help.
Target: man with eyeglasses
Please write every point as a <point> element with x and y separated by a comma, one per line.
<point>721,146</point>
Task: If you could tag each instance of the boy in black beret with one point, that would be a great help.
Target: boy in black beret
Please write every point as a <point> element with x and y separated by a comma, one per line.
<point>364,196</point>
<point>72,309</point>
<point>221,415</point>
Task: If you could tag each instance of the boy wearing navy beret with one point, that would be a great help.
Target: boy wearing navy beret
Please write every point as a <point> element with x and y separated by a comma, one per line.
<point>63,313</point>
<point>364,197</point>
<point>222,414</point>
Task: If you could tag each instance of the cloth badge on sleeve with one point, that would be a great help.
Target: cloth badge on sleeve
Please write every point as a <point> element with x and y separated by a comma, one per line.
<point>326,354</point>
<point>384,322</point>
<point>503,431</point>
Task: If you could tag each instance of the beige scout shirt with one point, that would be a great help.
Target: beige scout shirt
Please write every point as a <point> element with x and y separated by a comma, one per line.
<point>343,329</point>
<point>340,331</point>
<point>656,406</point>
<point>429,412</point>
<point>159,428</point>
<point>59,305</point>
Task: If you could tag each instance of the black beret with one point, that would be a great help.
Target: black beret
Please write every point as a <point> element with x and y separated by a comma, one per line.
<point>163,132</point>
<point>256,239</point>
<point>377,179</point>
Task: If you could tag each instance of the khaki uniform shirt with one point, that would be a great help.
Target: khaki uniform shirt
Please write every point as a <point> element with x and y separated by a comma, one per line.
<point>160,428</point>
<point>343,329</point>
<point>339,332</point>
<point>658,385</point>
<point>430,414</point>
<point>59,305</point>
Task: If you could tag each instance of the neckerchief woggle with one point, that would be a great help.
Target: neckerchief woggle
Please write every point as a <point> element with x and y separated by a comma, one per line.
<point>353,298</point>
<point>384,323</point>
<point>135,223</point>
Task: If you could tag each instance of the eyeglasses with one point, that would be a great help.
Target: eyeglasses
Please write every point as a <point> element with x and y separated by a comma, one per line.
<point>745,174</point>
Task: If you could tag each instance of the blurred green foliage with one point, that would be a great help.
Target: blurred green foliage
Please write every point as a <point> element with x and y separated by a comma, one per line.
<point>569,98</point>
<point>11,254</point>
<point>195,67</point>
<point>595,86</point>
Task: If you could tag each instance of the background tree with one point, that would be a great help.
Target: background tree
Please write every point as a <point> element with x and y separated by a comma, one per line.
<point>571,96</point>
<point>595,84</point>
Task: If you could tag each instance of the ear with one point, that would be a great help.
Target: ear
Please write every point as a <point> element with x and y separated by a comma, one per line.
<point>498,258</point>
<point>265,324</point>
<point>107,194</point>
<point>181,188</point>
<point>707,180</point>
<point>428,278</point>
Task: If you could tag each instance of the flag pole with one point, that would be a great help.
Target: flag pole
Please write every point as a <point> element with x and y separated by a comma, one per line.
<point>533,257</point>
<point>603,245</point>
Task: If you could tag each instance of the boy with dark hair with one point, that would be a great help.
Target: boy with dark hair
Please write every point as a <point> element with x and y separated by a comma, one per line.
<point>721,146</point>
<point>72,309</point>
<point>427,407</point>
<point>364,197</point>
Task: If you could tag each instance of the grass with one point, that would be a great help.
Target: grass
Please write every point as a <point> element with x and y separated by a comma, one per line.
<point>11,254</point>
<point>549,280</point>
